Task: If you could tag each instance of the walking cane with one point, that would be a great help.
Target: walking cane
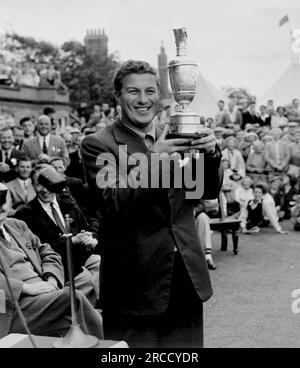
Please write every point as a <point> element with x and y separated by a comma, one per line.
<point>75,338</point>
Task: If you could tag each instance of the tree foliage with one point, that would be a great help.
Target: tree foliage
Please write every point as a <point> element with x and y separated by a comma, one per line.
<point>89,79</point>
<point>239,94</point>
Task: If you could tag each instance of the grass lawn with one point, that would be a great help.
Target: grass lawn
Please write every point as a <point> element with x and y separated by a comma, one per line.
<point>252,302</point>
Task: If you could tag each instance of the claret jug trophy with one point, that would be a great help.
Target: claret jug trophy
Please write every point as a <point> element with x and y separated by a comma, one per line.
<point>183,74</point>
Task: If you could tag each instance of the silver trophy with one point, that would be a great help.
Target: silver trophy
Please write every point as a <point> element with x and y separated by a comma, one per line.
<point>183,74</point>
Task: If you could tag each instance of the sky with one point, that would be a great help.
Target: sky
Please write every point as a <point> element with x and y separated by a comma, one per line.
<point>236,42</point>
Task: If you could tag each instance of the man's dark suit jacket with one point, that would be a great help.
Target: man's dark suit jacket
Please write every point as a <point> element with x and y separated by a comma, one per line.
<point>75,168</point>
<point>11,174</point>
<point>41,224</point>
<point>250,119</point>
<point>141,227</point>
<point>78,191</point>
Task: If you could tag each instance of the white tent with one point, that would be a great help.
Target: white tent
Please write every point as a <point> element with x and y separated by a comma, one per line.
<point>287,85</point>
<point>285,88</point>
<point>206,98</point>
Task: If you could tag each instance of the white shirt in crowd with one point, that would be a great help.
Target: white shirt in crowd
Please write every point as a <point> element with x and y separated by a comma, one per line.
<point>278,121</point>
<point>41,140</point>
<point>269,212</point>
<point>24,184</point>
<point>243,196</point>
<point>48,210</point>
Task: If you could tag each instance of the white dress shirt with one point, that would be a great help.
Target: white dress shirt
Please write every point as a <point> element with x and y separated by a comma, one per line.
<point>24,184</point>
<point>48,210</point>
<point>41,140</point>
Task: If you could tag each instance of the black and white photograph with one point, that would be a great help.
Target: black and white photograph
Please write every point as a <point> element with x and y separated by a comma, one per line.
<point>149,177</point>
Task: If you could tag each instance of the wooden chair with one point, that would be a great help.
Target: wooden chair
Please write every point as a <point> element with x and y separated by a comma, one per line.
<point>226,225</point>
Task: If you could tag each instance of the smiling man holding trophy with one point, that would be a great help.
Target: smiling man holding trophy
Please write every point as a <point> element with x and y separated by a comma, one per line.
<point>154,273</point>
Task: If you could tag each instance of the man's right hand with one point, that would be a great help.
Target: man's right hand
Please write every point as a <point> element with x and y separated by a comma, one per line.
<point>38,288</point>
<point>44,156</point>
<point>163,145</point>
<point>4,167</point>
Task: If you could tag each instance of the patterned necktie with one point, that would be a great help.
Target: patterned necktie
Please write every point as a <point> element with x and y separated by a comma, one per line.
<point>45,149</point>
<point>6,158</point>
<point>57,218</point>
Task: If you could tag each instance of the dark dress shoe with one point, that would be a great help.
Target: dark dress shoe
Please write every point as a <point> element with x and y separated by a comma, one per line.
<point>211,265</point>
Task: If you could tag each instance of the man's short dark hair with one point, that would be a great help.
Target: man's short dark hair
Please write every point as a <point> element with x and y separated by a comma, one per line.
<point>133,67</point>
<point>48,110</point>
<point>26,118</point>
<point>263,186</point>
<point>23,158</point>
<point>221,101</point>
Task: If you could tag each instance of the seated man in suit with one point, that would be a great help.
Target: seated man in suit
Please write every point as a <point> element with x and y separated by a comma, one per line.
<point>21,189</point>
<point>77,189</point>
<point>45,144</point>
<point>36,276</point>
<point>45,214</point>
<point>8,155</point>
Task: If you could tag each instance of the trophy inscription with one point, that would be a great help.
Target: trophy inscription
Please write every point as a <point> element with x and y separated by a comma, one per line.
<point>183,74</point>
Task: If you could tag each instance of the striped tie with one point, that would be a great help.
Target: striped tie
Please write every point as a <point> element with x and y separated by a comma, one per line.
<point>45,149</point>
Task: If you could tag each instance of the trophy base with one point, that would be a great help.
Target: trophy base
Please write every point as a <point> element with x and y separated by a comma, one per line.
<point>186,119</point>
<point>185,125</point>
<point>185,135</point>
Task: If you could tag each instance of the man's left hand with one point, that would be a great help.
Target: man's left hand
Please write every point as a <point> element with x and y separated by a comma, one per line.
<point>207,143</point>
<point>52,280</point>
<point>89,242</point>
<point>85,238</point>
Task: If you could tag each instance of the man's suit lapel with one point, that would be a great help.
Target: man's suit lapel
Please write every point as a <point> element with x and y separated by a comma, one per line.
<point>26,245</point>
<point>31,192</point>
<point>135,144</point>
<point>19,190</point>
<point>43,216</point>
<point>36,145</point>
<point>4,264</point>
<point>51,143</point>
<point>125,136</point>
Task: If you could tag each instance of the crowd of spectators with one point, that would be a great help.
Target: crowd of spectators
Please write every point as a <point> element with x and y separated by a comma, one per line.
<point>261,160</point>
<point>20,66</point>
<point>261,185</point>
